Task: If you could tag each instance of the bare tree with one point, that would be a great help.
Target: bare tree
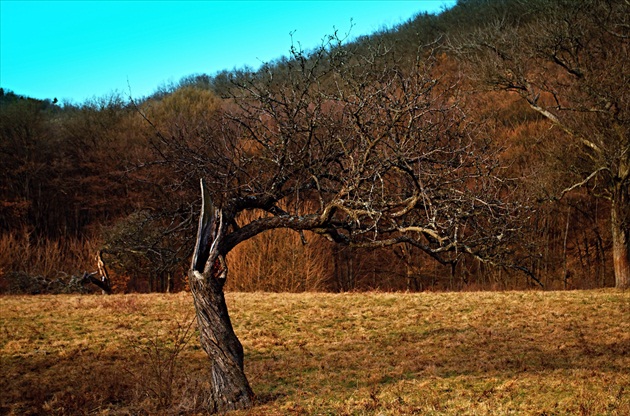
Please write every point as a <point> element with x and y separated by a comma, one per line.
<point>362,149</point>
<point>569,61</point>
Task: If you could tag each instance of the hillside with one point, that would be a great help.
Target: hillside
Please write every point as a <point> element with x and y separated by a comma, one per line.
<point>120,177</point>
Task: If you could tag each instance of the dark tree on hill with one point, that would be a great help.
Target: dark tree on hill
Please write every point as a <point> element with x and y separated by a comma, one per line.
<point>569,61</point>
<point>362,149</point>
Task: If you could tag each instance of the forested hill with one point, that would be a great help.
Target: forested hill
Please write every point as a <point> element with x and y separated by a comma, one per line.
<point>534,93</point>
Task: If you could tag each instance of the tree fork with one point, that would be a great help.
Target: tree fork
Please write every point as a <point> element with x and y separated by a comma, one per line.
<point>230,389</point>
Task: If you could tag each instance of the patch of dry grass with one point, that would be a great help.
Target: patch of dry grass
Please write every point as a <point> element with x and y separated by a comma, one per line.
<point>370,353</point>
<point>47,258</point>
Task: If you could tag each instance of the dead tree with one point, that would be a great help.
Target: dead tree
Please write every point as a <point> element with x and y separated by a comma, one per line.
<point>363,149</point>
<point>104,282</point>
<point>101,283</point>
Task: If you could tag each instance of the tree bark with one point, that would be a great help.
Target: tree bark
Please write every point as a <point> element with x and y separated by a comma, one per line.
<point>230,389</point>
<point>620,223</point>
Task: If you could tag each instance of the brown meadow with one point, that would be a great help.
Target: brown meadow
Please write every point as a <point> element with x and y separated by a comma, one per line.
<point>475,353</point>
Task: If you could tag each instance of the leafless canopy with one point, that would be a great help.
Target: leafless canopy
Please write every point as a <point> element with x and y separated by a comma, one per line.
<point>367,152</point>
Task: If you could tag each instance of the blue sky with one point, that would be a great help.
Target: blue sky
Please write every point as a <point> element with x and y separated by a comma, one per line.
<point>77,50</point>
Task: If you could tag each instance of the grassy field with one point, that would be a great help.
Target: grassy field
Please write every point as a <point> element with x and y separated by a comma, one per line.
<point>532,353</point>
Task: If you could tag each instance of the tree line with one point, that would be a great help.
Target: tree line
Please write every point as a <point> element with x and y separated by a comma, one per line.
<point>484,147</point>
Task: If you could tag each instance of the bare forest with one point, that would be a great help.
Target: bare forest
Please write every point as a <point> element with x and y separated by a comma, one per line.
<point>484,148</point>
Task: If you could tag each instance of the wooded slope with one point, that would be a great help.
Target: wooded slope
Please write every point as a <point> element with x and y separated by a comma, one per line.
<point>116,176</point>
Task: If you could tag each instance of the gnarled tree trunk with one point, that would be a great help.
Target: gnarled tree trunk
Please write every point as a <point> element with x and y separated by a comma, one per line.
<point>230,388</point>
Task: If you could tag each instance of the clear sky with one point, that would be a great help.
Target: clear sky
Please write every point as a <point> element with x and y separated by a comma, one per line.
<point>76,50</point>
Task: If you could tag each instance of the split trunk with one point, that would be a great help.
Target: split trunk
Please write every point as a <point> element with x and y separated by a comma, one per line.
<point>230,389</point>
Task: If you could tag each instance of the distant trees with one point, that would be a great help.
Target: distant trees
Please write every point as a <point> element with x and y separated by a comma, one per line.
<point>569,61</point>
<point>27,148</point>
<point>99,174</point>
<point>58,164</point>
<point>62,177</point>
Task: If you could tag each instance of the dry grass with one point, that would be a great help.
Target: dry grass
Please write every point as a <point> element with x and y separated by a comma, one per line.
<point>264,263</point>
<point>376,353</point>
<point>21,259</point>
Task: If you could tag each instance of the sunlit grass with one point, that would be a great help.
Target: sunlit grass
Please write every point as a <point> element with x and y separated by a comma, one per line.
<point>371,353</point>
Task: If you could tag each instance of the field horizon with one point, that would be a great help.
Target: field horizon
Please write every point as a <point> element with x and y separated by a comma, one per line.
<point>370,353</point>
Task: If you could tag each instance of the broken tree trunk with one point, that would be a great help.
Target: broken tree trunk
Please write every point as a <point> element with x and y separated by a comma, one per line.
<point>105,282</point>
<point>230,389</point>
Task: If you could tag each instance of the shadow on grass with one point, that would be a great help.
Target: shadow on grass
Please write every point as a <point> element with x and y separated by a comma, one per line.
<point>444,353</point>
<point>45,384</point>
